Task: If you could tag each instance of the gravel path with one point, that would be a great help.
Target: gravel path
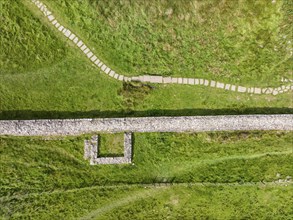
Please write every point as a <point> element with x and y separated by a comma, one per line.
<point>150,78</point>
<point>146,124</point>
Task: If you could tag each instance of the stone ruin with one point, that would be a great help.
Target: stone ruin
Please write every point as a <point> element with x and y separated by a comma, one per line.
<point>91,151</point>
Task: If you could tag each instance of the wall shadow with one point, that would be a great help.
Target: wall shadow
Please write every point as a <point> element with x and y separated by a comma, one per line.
<point>30,114</point>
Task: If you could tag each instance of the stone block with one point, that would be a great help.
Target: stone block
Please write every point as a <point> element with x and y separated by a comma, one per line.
<point>126,79</point>
<point>100,64</point>
<point>64,30</point>
<point>233,88</point>
<point>67,33</point>
<point>40,4</point>
<point>196,81</point>
<point>206,82</point>
<point>275,92</point>
<point>213,83</point>
<point>146,78</point>
<point>269,91</point>
<point>72,36</point>
<point>116,76</point>
<point>257,91</point>
<point>80,43</point>
<point>120,77</point>
<point>185,80</point>
<point>57,25</point>
<point>43,8</point>
<point>156,79</point>
<point>97,62</point>
<point>103,68</point>
<point>83,47</point>
<point>51,17</point>
<point>174,80</point>
<point>191,81</point>
<point>107,70</point>
<point>90,54</point>
<point>200,81</point>
<point>220,85</point>
<point>263,90</point>
<point>167,80</point>
<point>141,78</point>
<point>112,73</point>
<point>93,59</point>
<point>227,86</point>
<point>54,22</point>
<point>75,40</point>
<point>180,80</point>
<point>47,13</point>
<point>241,89</point>
<point>86,50</point>
<point>60,28</point>
<point>134,78</point>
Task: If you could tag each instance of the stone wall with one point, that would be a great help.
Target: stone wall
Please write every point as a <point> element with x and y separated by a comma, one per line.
<point>146,124</point>
<point>91,151</point>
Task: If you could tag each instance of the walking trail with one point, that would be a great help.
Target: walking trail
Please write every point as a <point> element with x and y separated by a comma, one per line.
<point>150,78</point>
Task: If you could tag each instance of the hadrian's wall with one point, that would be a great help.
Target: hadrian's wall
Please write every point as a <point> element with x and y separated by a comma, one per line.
<point>146,124</point>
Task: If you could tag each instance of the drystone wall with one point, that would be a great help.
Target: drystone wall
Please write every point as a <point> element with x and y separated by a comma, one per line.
<point>150,78</point>
<point>91,151</point>
<point>146,124</point>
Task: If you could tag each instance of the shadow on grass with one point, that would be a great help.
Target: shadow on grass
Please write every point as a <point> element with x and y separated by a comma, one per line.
<point>109,155</point>
<point>29,114</point>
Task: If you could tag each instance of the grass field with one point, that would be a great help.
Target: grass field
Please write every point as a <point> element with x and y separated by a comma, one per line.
<point>248,42</point>
<point>44,76</point>
<point>48,177</point>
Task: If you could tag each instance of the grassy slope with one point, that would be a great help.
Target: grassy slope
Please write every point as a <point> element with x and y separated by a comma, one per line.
<point>43,76</point>
<point>244,202</point>
<point>31,167</point>
<point>246,43</point>
<point>26,44</point>
<point>65,84</point>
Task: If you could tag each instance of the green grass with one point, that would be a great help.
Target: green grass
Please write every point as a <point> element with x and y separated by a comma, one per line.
<point>246,43</point>
<point>63,84</point>
<point>26,44</point>
<point>242,202</point>
<point>48,177</point>
<point>38,164</point>
<point>43,75</point>
<point>111,145</point>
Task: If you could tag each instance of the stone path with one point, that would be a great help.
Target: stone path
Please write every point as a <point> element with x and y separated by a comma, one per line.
<point>150,78</point>
<point>91,151</point>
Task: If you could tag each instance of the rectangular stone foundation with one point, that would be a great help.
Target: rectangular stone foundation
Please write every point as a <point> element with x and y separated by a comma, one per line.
<point>91,151</point>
